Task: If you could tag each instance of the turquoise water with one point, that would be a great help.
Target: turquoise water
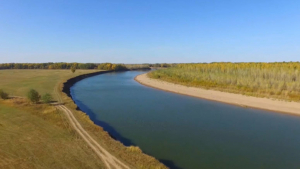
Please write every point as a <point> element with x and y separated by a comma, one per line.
<point>186,132</point>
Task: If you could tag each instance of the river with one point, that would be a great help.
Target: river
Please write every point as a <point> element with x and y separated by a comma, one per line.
<point>187,132</point>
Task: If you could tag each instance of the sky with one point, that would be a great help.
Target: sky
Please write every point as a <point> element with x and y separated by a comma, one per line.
<point>153,31</point>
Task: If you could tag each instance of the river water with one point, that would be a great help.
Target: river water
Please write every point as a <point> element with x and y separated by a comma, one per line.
<point>186,132</point>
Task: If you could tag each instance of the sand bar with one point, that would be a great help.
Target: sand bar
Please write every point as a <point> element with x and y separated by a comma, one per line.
<point>230,98</point>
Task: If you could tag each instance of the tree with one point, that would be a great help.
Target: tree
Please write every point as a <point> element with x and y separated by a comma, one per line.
<point>73,69</point>
<point>33,96</point>
<point>46,98</point>
<point>3,95</point>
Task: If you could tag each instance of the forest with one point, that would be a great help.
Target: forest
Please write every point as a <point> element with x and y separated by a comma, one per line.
<point>279,80</point>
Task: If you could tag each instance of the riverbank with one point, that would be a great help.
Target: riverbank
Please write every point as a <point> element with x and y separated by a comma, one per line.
<point>131,155</point>
<point>230,98</point>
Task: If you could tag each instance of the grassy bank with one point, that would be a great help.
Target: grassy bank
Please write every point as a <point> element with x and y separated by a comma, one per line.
<point>271,80</point>
<point>42,134</point>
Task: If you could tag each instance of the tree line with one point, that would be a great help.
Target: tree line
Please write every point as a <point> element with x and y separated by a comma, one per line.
<point>63,65</point>
<point>49,65</point>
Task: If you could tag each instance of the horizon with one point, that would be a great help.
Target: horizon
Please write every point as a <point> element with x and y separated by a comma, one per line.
<point>147,63</point>
<point>138,32</point>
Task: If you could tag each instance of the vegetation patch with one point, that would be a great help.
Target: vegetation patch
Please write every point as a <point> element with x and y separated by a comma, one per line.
<point>33,96</point>
<point>47,98</point>
<point>271,80</point>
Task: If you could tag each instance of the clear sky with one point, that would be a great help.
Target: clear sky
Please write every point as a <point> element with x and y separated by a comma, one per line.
<point>149,31</point>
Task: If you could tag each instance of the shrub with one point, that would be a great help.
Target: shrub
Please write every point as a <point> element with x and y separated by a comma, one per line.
<point>33,96</point>
<point>73,69</point>
<point>46,98</point>
<point>3,95</point>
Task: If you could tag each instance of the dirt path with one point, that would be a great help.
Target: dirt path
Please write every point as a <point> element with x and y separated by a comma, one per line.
<point>109,160</point>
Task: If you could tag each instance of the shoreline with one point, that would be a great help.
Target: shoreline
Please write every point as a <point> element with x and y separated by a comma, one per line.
<point>70,82</point>
<point>66,89</point>
<point>292,108</point>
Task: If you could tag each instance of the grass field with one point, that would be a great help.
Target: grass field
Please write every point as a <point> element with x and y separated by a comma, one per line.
<point>40,136</point>
<point>18,82</point>
<point>29,141</point>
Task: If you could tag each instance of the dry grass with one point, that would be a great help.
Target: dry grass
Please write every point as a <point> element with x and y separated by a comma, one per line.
<point>39,136</point>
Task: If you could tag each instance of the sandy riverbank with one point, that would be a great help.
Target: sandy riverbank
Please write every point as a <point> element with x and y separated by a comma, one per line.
<point>230,98</point>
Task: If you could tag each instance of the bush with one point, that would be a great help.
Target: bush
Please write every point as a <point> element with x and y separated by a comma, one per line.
<point>3,95</point>
<point>73,69</point>
<point>47,98</point>
<point>33,96</point>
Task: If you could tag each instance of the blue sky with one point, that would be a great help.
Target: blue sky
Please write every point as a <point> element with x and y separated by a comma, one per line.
<point>137,31</point>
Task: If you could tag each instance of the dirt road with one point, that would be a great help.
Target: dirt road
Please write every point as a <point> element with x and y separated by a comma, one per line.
<point>109,160</point>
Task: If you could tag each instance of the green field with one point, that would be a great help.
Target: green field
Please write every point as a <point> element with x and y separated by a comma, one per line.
<point>271,80</point>
<point>40,136</point>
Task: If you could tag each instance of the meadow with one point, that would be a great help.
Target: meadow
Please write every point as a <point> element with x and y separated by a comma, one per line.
<point>271,80</point>
<point>40,136</point>
<point>18,82</point>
